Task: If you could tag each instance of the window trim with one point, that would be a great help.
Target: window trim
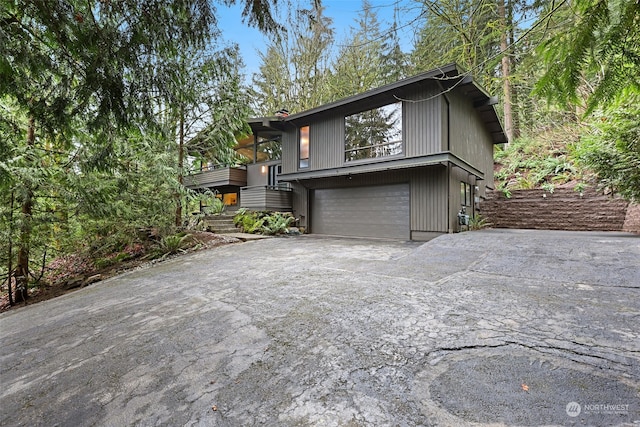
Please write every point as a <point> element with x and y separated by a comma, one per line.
<point>301,160</point>
<point>399,106</point>
<point>466,194</point>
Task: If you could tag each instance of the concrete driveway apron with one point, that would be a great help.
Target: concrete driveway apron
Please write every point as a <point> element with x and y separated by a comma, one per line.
<point>491,327</point>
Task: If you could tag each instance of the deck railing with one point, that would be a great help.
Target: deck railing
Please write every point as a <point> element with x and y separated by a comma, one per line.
<point>217,177</point>
<point>267,197</point>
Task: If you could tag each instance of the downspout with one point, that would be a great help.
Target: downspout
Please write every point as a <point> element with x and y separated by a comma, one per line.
<point>446,99</point>
<point>449,229</point>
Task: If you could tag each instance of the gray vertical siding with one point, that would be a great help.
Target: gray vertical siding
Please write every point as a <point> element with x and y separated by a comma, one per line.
<point>424,133</point>
<point>457,176</point>
<point>326,146</point>
<point>429,200</point>
<point>326,143</point>
<point>255,175</point>
<point>470,139</point>
<point>430,126</point>
<point>445,121</point>
<point>290,151</point>
<point>300,203</point>
<point>422,124</point>
<point>428,194</point>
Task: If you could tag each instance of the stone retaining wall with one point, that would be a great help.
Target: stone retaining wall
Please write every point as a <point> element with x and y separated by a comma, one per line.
<point>632,221</point>
<point>564,209</point>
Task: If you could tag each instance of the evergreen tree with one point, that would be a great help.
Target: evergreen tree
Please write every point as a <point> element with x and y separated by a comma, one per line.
<point>462,31</point>
<point>78,79</point>
<point>369,58</point>
<point>595,65</point>
<point>294,68</point>
<point>601,49</point>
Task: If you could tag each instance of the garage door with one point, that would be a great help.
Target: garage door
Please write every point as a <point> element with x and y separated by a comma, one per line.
<point>379,211</point>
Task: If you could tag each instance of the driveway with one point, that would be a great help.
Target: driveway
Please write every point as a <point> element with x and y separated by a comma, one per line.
<point>490,327</point>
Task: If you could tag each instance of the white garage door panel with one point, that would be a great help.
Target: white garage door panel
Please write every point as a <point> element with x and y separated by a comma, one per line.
<point>376,211</point>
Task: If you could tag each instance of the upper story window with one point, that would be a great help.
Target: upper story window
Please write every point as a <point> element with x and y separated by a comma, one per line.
<point>373,133</point>
<point>269,148</point>
<point>260,148</point>
<point>304,147</point>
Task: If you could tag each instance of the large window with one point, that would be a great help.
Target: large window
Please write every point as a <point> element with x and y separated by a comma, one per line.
<point>373,133</point>
<point>269,148</point>
<point>261,148</point>
<point>304,147</point>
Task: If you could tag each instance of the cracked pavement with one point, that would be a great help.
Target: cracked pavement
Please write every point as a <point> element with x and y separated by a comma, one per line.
<point>495,327</point>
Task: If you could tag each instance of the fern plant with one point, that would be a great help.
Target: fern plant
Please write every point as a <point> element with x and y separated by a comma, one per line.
<point>267,223</point>
<point>217,207</point>
<point>477,222</point>
<point>173,243</point>
<point>503,187</point>
<point>277,223</point>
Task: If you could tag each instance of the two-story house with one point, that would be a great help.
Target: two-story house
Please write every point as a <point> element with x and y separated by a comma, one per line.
<point>399,161</point>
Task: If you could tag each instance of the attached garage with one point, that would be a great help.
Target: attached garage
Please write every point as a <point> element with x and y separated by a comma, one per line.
<point>372,211</point>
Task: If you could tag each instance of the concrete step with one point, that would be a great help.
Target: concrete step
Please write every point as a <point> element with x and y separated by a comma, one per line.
<point>225,231</point>
<point>220,224</point>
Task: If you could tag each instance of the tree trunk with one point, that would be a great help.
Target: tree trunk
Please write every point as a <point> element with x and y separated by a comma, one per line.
<point>506,72</point>
<point>515,105</point>
<point>10,253</point>
<point>22,269</point>
<point>180,166</point>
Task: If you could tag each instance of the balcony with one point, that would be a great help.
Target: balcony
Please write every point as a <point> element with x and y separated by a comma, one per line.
<point>267,198</point>
<point>217,177</point>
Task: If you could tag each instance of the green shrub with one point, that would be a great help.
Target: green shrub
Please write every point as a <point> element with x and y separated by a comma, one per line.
<point>173,243</point>
<point>477,222</point>
<point>217,207</point>
<point>268,223</point>
<point>528,163</point>
<point>246,220</point>
<point>277,223</point>
<point>524,182</point>
<point>580,187</point>
<point>548,187</point>
<point>503,187</point>
<point>101,263</point>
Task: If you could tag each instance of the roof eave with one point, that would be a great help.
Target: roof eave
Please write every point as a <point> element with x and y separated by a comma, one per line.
<point>449,70</point>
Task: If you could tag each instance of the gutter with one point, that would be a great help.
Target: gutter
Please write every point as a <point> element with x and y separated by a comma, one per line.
<point>442,158</point>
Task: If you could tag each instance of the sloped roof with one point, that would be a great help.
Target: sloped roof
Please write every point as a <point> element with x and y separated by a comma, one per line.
<point>449,76</point>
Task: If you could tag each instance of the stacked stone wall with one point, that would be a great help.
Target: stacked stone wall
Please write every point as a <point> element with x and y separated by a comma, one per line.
<point>564,209</point>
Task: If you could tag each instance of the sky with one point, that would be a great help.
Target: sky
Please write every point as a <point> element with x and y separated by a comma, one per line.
<point>343,12</point>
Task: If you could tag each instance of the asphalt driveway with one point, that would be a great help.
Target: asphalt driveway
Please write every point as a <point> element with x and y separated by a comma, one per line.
<point>491,327</point>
